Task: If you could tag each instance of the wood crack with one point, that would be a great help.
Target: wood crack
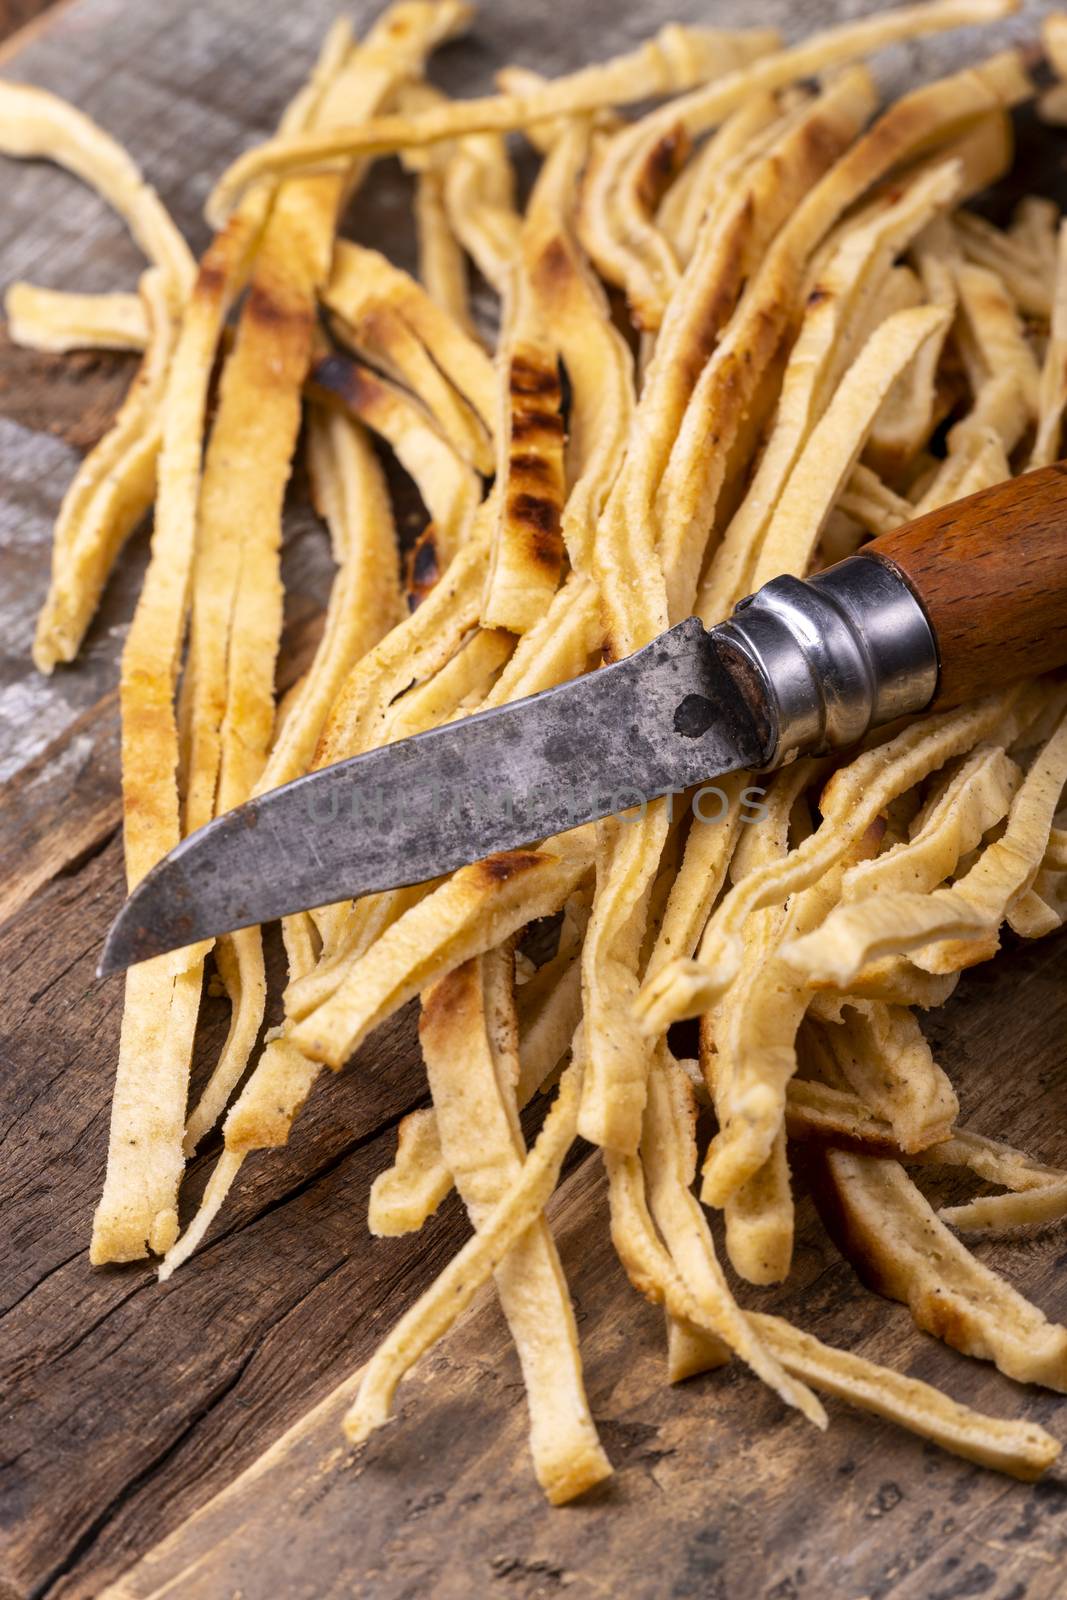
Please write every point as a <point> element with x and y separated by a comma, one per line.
<point>25,1109</point>
<point>84,858</point>
<point>57,1267</point>
<point>38,995</point>
<point>301,1188</point>
<point>22,1370</point>
<point>142,1479</point>
<point>88,1537</point>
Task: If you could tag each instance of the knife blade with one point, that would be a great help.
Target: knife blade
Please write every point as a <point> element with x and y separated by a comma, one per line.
<point>952,604</point>
<point>663,719</point>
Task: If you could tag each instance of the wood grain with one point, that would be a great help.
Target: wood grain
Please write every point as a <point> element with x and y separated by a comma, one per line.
<point>60,808</point>
<point>991,574</point>
<point>130,1406</point>
<point>16,15</point>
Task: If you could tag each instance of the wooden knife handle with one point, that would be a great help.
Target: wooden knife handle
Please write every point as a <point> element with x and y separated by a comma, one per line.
<point>991,574</point>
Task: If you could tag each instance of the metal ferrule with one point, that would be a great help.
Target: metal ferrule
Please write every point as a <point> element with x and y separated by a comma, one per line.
<point>836,654</point>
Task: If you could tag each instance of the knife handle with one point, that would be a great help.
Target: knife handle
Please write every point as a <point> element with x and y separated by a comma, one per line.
<point>990,572</point>
<point>949,607</point>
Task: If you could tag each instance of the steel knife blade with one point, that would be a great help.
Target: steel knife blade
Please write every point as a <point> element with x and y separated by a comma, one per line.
<point>670,716</point>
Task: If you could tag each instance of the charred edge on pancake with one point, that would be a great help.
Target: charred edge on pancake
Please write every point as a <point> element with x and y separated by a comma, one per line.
<point>528,464</point>
<point>211,278</point>
<point>531,377</point>
<point>449,997</point>
<point>526,421</point>
<point>945,1320</point>
<point>338,378</point>
<point>698,351</point>
<point>422,569</point>
<point>273,311</point>
<point>823,141</point>
<point>497,869</point>
<point>661,164</point>
<point>217,262</point>
<point>375,324</point>
<point>539,519</point>
<point>555,264</point>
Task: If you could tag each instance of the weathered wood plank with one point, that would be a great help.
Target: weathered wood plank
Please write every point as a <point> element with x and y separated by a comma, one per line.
<point>61,807</point>
<point>17,17</point>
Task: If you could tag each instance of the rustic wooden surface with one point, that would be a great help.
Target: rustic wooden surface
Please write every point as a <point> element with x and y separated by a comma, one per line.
<point>18,14</point>
<point>128,1406</point>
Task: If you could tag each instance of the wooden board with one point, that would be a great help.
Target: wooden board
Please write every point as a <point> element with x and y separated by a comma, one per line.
<point>16,16</point>
<point>129,1408</point>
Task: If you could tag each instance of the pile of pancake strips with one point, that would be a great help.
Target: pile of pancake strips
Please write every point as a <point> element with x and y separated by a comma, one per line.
<point>739,334</point>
